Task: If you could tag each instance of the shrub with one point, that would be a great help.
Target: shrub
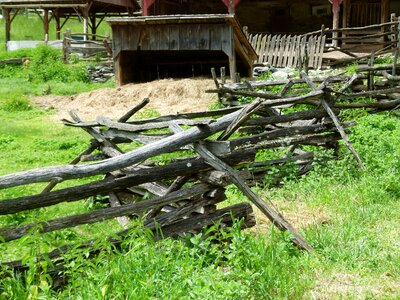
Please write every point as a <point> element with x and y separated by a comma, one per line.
<point>15,102</point>
<point>46,65</point>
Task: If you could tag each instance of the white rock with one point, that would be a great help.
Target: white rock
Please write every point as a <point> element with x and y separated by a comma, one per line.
<point>279,75</point>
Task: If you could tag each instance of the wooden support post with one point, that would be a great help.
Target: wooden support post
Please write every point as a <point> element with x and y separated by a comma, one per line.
<point>56,14</point>
<point>335,26</point>
<point>371,73</point>
<point>7,16</point>
<point>66,45</point>
<point>232,67</point>
<point>93,25</point>
<point>46,24</point>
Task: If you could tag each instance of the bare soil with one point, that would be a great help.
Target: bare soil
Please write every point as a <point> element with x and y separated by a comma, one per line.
<point>167,96</point>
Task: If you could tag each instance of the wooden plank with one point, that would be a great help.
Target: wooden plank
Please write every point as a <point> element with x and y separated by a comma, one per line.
<point>281,51</point>
<point>296,56</point>
<point>193,37</point>
<point>184,38</point>
<point>204,37</point>
<point>215,37</point>
<point>174,37</point>
<point>154,33</point>
<point>227,44</point>
<point>263,54</point>
<point>259,38</point>
<point>286,51</point>
<point>316,51</point>
<point>276,51</point>
<point>267,48</point>
<point>311,47</point>
<point>321,52</point>
<point>271,50</point>
<point>292,51</point>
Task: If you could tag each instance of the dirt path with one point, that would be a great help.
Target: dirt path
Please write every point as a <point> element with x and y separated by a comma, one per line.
<point>167,96</point>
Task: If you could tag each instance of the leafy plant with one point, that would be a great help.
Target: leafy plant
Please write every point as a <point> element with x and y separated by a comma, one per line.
<point>46,65</point>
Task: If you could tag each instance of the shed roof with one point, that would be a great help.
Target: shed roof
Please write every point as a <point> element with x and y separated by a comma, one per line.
<point>49,4</point>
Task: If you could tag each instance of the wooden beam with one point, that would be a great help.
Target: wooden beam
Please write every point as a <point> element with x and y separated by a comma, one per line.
<point>56,15</point>
<point>46,24</point>
<point>6,12</point>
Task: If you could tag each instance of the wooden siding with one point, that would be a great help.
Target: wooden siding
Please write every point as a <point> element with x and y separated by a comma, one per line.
<point>172,37</point>
<point>207,41</point>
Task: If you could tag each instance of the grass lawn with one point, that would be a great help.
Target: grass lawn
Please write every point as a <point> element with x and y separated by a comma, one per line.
<point>351,217</point>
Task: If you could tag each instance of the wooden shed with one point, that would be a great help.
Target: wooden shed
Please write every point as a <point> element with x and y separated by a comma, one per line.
<point>153,47</point>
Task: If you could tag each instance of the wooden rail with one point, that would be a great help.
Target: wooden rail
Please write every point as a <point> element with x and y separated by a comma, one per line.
<point>367,38</point>
<point>87,45</point>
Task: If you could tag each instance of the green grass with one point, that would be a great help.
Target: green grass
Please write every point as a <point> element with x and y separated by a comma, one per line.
<point>351,218</point>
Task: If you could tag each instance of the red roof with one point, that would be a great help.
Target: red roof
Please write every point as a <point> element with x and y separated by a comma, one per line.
<point>147,3</point>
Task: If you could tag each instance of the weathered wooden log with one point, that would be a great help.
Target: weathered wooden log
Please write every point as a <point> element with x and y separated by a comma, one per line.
<point>134,110</point>
<point>389,104</point>
<point>292,81</point>
<point>275,217</point>
<point>239,211</point>
<point>302,115</point>
<point>18,61</point>
<point>342,132</point>
<point>240,119</point>
<point>187,210</point>
<point>375,68</point>
<point>309,139</point>
<point>95,143</point>
<point>138,208</point>
<point>264,95</point>
<point>270,136</point>
<point>158,125</point>
<point>102,187</point>
<point>165,145</point>
<point>121,136</point>
<point>219,178</point>
<point>300,157</point>
<point>193,115</point>
<point>310,98</point>
<point>390,77</point>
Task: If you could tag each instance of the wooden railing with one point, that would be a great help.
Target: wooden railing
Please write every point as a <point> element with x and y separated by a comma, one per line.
<point>367,38</point>
<point>289,50</point>
<point>87,45</point>
<point>301,51</point>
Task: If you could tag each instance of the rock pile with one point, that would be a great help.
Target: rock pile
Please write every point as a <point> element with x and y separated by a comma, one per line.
<point>100,73</point>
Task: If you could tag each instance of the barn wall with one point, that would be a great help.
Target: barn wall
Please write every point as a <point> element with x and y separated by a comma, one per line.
<point>395,7</point>
<point>258,15</point>
<point>284,16</point>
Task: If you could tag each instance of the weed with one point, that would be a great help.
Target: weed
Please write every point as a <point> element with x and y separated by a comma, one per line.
<point>15,103</point>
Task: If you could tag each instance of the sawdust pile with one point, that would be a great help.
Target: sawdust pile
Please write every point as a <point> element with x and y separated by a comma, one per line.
<point>167,96</point>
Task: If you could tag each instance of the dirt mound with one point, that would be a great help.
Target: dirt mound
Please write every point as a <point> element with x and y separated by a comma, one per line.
<point>167,96</point>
